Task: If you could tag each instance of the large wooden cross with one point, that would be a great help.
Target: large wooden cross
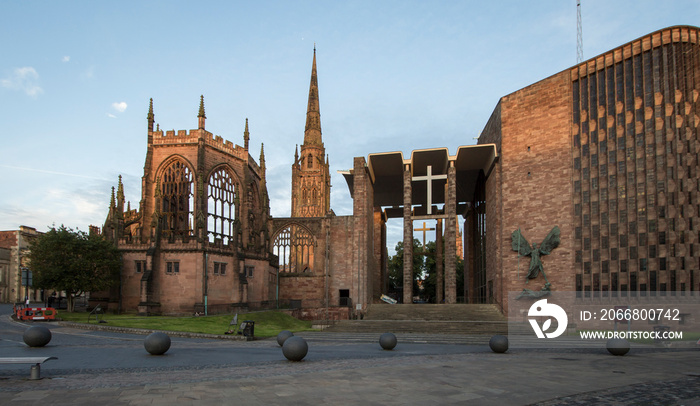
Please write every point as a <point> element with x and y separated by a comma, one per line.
<point>424,229</point>
<point>430,177</point>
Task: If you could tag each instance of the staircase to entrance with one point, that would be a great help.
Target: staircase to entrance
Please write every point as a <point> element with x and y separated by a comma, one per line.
<point>465,319</point>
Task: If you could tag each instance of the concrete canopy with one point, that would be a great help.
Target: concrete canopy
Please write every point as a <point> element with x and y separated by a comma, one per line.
<point>386,173</point>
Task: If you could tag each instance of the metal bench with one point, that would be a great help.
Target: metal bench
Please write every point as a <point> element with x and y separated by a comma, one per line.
<point>35,371</point>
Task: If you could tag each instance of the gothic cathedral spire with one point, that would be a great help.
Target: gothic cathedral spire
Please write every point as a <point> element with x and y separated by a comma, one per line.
<point>310,171</point>
<point>312,132</point>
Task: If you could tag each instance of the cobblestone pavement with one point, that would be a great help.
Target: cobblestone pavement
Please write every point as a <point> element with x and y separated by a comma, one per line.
<point>109,368</point>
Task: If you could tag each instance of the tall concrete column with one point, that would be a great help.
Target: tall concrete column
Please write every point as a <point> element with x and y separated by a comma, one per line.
<point>451,235</point>
<point>407,237</point>
<point>362,217</point>
<point>467,281</point>
<point>440,269</point>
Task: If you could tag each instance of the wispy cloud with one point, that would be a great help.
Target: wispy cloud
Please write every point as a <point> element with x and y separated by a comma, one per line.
<point>25,79</point>
<point>75,175</point>
<point>119,106</point>
<point>65,59</point>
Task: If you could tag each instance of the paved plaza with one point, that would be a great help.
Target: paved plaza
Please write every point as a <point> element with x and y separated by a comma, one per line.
<point>112,368</point>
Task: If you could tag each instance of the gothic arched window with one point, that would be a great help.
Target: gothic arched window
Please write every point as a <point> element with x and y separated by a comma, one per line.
<point>221,209</point>
<point>294,246</point>
<point>177,199</point>
<point>310,161</point>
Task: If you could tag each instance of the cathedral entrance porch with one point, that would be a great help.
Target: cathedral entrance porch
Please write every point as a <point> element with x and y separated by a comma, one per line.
<point>413,189</point>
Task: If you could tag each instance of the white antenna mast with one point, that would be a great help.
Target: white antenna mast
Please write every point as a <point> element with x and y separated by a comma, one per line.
<point>579,33</point>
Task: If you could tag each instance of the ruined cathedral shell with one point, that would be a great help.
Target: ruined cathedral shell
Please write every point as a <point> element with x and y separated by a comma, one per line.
<point>199,241</point>
<point>203,240</point>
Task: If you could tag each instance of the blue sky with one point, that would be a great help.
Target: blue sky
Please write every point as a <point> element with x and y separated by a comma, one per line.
<point>76,78</point>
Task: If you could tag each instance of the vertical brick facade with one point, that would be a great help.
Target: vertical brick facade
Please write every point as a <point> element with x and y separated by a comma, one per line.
<point>536,182</point>
<point>14,249</point>
<point>635,161</point>
<point>598,150</point>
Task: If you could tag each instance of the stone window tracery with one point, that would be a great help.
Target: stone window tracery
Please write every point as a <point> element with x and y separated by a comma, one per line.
<point>177,199</point>
<point>221,209</point>
<point>294,246</point>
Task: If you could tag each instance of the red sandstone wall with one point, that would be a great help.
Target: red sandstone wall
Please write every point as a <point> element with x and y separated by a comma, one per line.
<point>8,239</point>
<point>535,177</point>
<point>177,293</point>
<point>494,212</point>
<point>308,289</point>
<point>379,277</point>
<point>221,289</point>
<point>342,267</point>
<point>311,288</point>
<point>131,281</point>
<point>261,287</point>
<point>363,234</point>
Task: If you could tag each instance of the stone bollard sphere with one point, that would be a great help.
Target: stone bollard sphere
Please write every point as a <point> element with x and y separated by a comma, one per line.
<point>387,341</point>
<point>295,348</point>
<point>618,346</point>
<point>37,336</point>
<point>499,344</point>
<point>157,343</point>
<point>283,336</point>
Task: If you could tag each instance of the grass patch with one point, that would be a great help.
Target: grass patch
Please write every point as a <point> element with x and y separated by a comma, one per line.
<point>267,324</point>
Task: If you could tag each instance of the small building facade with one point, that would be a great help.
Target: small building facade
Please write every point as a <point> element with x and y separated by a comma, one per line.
<point>14,252</point>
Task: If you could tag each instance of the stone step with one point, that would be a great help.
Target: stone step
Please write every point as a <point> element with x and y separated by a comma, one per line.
<point>420,326</point>
<point>459,319</point>
<point>451,312</point>
<point>416,338</point>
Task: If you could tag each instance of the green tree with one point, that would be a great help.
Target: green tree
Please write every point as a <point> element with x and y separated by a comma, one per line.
<point>430,283</point>
<point>74,262</point>
<point>395,266</point>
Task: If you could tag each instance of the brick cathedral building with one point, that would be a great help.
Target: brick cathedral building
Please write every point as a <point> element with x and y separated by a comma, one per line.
<point>203,239</point>
<point>606,150</point>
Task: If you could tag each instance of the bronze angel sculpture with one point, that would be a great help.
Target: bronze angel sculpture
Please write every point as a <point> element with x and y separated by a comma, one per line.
<point>523,248</point>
